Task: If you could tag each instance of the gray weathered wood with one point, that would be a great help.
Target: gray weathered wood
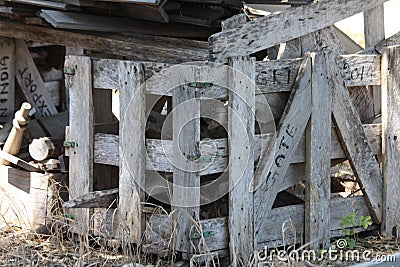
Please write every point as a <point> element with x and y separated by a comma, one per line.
<point>278,28</point>
<point>318,162</point>
<point>290,131</point>
<point>160,151</point>
<point>374,31</point>
<point>131,149</point>
<point>391,41</point>
<point>241,125</point>
<point>390,138</point>
<point>186,187</point>
<point>137,46</point>
<point>159,226</point>
<point>233,21</point>
<point>359,70</point>
<point>81,132</point>
<point>95,199</point>
<point>7,78</point>
<point>354,140</point>
<point>31,82</point>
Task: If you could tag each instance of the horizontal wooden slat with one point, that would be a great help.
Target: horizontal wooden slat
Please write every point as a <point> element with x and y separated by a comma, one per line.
<point>272,237</point>
<point>160,152</point>
<point>271,76</point>
<point>360,70</point>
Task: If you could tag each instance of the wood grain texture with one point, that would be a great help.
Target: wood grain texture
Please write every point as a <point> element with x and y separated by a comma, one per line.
<point>81,132</point>
<point>31,82</point>
<point>186,187</point>
<point>360,70</point>
<point>95,199</point>
<point>159,152</point>
<point>137,47</point>
<point>7,78</point>
<point>374,31</point>
<point>131,149</point>
<point>354,140</point>
<point>290,131</point>
<point>391,146</point>
<point>278,28</point>
<point>318,162</point>
<point>23,197</point>
<point>241,127</point>
<point>159,226</point>
<point>391,41</point>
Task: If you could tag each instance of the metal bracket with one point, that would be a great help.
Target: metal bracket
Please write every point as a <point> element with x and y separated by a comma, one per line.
<point>69,143</point>
<point>69,71</point>
<point>197,235</point>
<point>199,159</point>
<point>200,85</point>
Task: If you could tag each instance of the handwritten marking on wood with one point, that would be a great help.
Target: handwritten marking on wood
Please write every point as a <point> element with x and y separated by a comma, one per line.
<point>354,140</point>
<point>360,70</point>
<point>31,83</point>
<point>290,131</point>
<point>7,78</point>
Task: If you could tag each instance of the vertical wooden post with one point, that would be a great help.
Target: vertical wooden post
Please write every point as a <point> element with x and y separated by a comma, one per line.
<point>374,31</point>
<point>391,140</point>
<point>186,139</point>
<point>241,125</point>
<point>318,163</point>
<point>80,132</point>
<point>7,78</point>
<point>132,149</point>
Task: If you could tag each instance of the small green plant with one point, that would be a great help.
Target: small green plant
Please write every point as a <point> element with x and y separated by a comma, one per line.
<point>349,223</point>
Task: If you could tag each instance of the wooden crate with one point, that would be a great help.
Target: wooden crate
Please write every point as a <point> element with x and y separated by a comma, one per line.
<point>23,197</point>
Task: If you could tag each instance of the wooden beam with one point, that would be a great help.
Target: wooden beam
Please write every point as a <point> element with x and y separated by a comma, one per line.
<point>186,179</point>
<point>131,150</point>
<point>278,28</point>
<point>374,31</point>
<point>390,138</point>
<point>394,40</point>
<point>137,46</point>
<point>81,132</point>
<point>31,82</point>
<point>290,130</point>
<point>318,162</point>
<point>95,199</point>
<point>354,140</point>
<point>7,78</point>
<point>241,125</point>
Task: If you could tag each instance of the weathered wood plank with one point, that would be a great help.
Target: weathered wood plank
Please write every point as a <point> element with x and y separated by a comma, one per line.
<point>160,225</point>
<point>318,162</point>
<point>374,32</point>
<point>272,76</point>
<point>7,78</point>
<point>391,146</point>
<point>160,151</point>
<point>95,199</point>
<point>360,70</point>
<point>31,82</point>
<point>131,149</point>
<point>354,140</point>
<point>290,131</point>
<point>278,28</point>
<point>81,132</point>
<point>241,125</point>
<point>186,187</point>
<point>394,40</point>
<point>138,46</point>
